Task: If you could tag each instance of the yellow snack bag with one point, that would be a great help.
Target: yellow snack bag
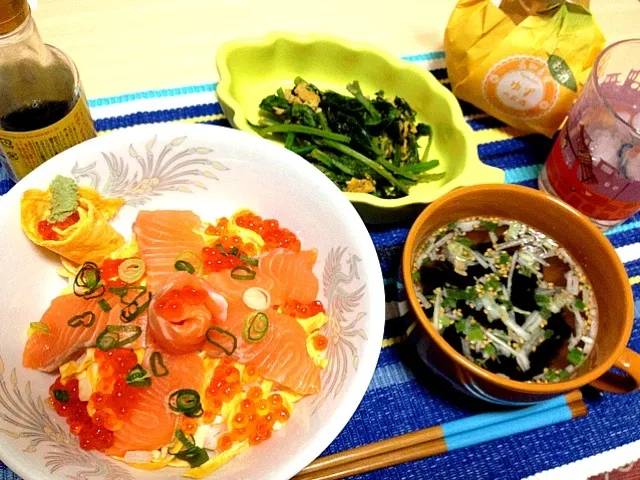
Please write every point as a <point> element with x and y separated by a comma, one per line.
<point>523,62</point>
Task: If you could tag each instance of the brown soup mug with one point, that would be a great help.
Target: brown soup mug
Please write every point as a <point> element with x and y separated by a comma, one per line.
<point>585,243</point>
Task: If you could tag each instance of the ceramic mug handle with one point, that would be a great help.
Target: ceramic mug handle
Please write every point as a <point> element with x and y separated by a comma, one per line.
<point>629,362</point>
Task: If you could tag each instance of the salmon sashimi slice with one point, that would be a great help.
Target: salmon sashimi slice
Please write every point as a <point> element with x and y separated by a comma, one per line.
<point>163,235</point>
<point>47,351</point>
<point>281,355</point>
<point>285,274</point>
<point>182,311</point>
<point>152,423</point>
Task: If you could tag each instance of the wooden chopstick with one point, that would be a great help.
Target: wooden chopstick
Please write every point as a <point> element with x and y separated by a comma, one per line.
<point>442,438</point>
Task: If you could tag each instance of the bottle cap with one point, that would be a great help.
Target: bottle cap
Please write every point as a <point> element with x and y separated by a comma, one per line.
<point>12,14</point>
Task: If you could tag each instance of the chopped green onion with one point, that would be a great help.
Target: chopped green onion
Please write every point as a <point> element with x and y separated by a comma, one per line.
<point>104,305</point>
<point>123,292</point>
<point>61,395</point>
<point>490,349</point>
<point>563,374</point>
<point>193,454</point>
<point>545,313</point>
<point>249,260</point>
<point>233,251</point>
<point>157,365</point>
<point>79,320</point>
<point>132,270</point>
<point>40,327</point>
<point>249,275</point>
<point>187,402</point>
<point>110,336</point>
<point>86,283</point>
<point>475,333</point>
<point>489,226</point>
<point>184,266</point>
<point>461,326</point>
<point>575,357</point>
<point>542,300</point>
<point>548,333</point>
<point>233,338</point>
<point>415,276</point>
<point>463,241</point>
<point>132,311</point>
<point>580,305</point>
<point>504,258</point>
<point>255,327</point>
<point>138,377</point>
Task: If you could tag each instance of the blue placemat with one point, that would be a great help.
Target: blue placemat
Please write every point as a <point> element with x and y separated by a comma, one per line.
<point>404,395</point>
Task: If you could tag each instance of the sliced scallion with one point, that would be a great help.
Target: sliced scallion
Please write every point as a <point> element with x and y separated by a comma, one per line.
<point>61,395</point>
<point>40,327</point>
<point>158,367</point>
<point>255,327</point>
<point>225,333</point>
<point>138,377</point>
<point>248,275</point>
<point>86,319</point>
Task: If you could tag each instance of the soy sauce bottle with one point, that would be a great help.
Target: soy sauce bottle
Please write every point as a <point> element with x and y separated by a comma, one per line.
<point>43,110</point>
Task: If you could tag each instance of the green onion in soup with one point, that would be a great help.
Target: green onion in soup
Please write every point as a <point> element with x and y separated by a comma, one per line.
<point>508,298</point>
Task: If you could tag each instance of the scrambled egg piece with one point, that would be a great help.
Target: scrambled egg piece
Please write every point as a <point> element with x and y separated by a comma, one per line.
<point>360,185</point>
<point>91,238</point>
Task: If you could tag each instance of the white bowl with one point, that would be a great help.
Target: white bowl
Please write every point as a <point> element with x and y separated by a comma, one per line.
<point>214,171</point>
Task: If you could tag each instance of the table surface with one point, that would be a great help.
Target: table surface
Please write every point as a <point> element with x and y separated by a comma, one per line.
<point>127,46</point>
<point>123,46</point>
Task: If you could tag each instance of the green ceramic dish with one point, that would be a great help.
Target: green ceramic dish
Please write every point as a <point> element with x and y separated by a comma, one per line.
<point>251,69</point>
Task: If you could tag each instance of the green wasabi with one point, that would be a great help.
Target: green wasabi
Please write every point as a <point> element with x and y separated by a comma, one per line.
<point>64,198</point>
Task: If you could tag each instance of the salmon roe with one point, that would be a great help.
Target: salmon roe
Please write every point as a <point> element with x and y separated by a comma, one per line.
<point>46,228</point>
<point>270,231</point>
<point>302,310</point>
<point>113,399</point>
<point>171,305</point>
<point>109,272</point>
<point>67,403</point>
<point>320,342</point>
<point>254,416</point>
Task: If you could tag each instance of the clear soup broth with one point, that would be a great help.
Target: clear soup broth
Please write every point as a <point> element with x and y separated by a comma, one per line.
<point>508,298</point>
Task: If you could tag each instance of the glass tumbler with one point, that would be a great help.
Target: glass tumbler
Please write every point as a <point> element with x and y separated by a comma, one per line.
<point>595,162</point>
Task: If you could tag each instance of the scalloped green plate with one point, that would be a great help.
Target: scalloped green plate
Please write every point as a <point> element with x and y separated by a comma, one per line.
<point>250,69</point>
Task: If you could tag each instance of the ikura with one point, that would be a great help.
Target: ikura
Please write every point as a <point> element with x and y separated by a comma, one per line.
<point>302,310</point>
<point>225,253</point>
<point>171,305</point>
<point>46,229</point>
<point>113,399</point>
<point>270,231</point>
<point>109,272</point>
<point>66,402</point>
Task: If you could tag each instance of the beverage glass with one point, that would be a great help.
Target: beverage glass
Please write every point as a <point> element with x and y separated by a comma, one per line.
<point>595,162</point>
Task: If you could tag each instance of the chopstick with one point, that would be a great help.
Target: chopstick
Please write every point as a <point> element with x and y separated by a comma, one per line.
<point>444,438</point>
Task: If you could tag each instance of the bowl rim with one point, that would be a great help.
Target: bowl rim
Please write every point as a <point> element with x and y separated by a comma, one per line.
<point>321,438</point>
<point>571,215</point>
<point>473,169</point>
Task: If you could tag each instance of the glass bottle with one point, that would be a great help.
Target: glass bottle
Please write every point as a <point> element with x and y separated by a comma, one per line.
<point>43,110</point>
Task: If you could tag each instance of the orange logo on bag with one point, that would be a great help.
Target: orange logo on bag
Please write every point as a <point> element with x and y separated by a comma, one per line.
<point>521,86</point>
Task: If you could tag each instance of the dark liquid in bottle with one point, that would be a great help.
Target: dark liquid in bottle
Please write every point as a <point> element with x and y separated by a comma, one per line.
<point>38,115</point>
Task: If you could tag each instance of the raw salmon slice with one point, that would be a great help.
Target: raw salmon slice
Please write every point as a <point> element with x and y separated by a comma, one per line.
<point>280,356</point>
<point>199,306</point>
<point>285,274</point>
<point>162,235</point>
<point>47,351</point>
<point>152,424</point>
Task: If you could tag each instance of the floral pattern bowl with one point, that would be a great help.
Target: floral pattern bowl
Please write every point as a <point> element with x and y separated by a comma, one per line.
<point>212,171</point>
<point>250,69</point>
